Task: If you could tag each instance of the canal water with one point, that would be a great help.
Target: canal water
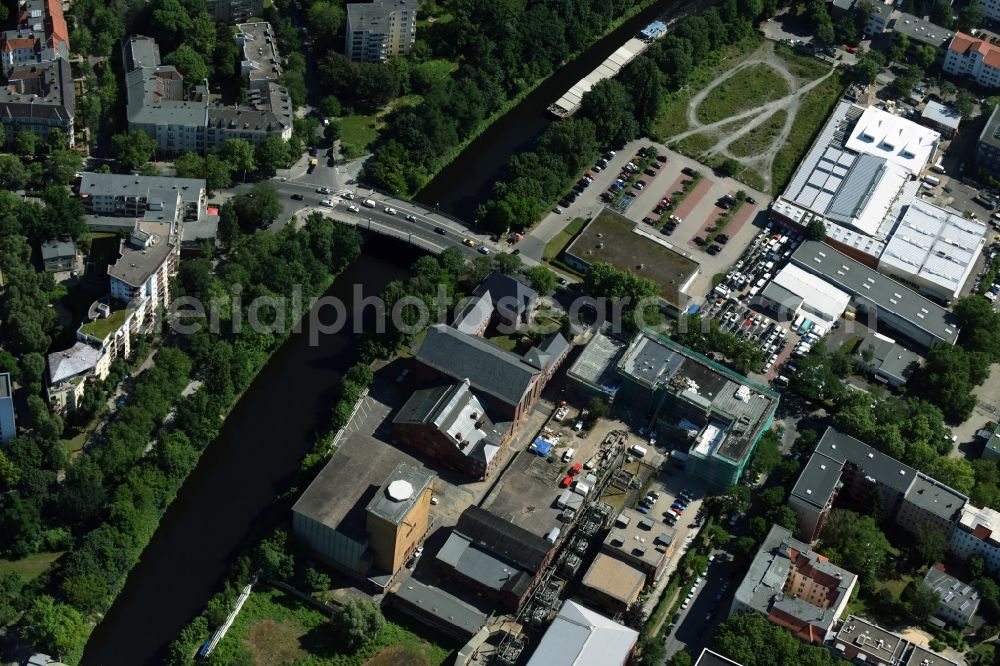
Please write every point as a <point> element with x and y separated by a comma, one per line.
<point>254,459</point>
<point>460,187</point>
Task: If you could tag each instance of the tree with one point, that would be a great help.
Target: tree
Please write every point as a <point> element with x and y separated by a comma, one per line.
<point>626,289</point>
<point>173,23</point>
<point>190,165</point>
<point>10,590</point>
<point>272,154</point>
<point>971,17</point>
<point>134,148</point>
<point>644,81</point>
<point>924,56</point>
<point>825,33</point>
<point>325,21</point>
<point>273,558</point>
<point>259,207</point>
<point>921,601</point>
<point>218,173</point>
<point>964,101</point>
<point>856,543</point>
<point>13,175</point>
<point>751,640</point>
<point>929,545</point>
<point>598,408</point>
<point>26,143</point>
<point>816,230</point>
<point>32,371</point>
<point>330,106</point>
<point>358,622</point>
<point>240,155</point>
<point>53,626</point>
<point>868,66</point>
<point>715,535</point>
<point>941,14</point>
<point>317,580</point>
<point>506,263</point>
<point>190,63</point>
<point>730,167</point>
<point>541,279</point>
<point>608,104</point>
<point>61,166</point>
<point>899,48</point>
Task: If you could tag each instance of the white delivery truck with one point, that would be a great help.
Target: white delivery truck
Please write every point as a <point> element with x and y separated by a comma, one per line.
<point>637,451</point>
<point>933,181</point>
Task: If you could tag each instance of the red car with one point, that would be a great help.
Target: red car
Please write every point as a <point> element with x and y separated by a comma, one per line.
<point>677,512</point>
<point>574,470</point>
<point>565,482</point>
<point>852,49</point>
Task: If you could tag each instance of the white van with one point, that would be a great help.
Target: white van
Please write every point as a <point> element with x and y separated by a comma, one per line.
<point>938,168</point>
<point>637,451</point>
<point>568,455</point>
<point>933,181</point>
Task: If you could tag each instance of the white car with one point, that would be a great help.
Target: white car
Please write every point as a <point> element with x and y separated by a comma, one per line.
<point>347,195</point>
<point>368,203</point>
<point>483,249</point>
<point>327,203</point>
<point>353,208</point>
<point>323,190</point>
<point>418,552</point>
<point>390,210</point>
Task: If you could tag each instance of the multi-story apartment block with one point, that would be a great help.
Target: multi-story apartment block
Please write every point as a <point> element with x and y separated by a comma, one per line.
<point>381,29</point>
<point>41,35</point>
<point>8,426</point>
<point>988,146</point>
<point>259,62</point>
<point>795,587</point>
<point>848,472</point>
<point>959,602</point>
<point>147,261</point>
<point>975,58</point>
<point>977,532</point>
<point>113,202</point>
<point>233,11</point>
<point>39,97</point>
<point>182,120</point>
<point>991,8</point>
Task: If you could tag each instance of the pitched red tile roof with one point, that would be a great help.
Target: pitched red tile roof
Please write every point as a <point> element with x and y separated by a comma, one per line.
<point>18,43</point>
<point>58,32</point>
<point>963,43</point>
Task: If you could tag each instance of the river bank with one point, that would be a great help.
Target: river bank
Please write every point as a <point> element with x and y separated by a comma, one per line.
<point>255,456</point>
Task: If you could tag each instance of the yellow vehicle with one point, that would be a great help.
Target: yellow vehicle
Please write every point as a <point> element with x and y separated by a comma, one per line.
<point>469,242</point>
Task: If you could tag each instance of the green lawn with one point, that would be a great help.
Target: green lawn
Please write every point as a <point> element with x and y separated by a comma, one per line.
<point>747,89</point>
<point>806,68</point>
<point>75,445</point>
<point>277,628</point>
<point>815,106</point>
<point>673,118</point>
<point>30,567</point>
<point>102,328</point>
<point>559,242</point>
<point>357,133</point>
<point>696,144</point>
<point>755,142</point>
<point>433,70</point>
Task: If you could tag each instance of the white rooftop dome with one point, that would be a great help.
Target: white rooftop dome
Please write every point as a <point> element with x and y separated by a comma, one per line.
<point>400,490</point>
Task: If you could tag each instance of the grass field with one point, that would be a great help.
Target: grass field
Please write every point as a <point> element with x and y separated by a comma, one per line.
<point>276,628</point>
<point>761,138</point>
<point>697,144</point>
<point>674,116</point>
<point>747,89</point>
<point>356,134</point>
<point>559,242</point>
<point>30,567</point>
<point>806,68</point>
<point>813,110</point>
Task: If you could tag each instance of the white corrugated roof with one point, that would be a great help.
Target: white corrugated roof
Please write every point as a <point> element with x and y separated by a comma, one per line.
<point>819,296</point>
<point>580,637</point>
<point>898,140</point>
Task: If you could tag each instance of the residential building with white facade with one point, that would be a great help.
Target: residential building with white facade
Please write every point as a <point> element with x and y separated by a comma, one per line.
<point>233,11</point>
<point>381,29</point>
<point>974,58</point>
<point>182,118</point>
<point>959,601</point>
<point>977,532</point>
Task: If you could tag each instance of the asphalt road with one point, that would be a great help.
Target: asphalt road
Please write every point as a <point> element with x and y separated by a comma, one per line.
<point>694,630</point>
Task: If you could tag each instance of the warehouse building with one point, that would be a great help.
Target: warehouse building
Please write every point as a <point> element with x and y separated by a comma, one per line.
<point>933,249</point>
<point>581,637</point>
<point>363,530</point>
<point>794,291</point>
<point>612,585</point>
<point>885,360</point>
<point>890,303</point>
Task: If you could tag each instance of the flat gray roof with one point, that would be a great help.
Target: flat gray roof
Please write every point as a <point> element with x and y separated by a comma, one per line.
<point>888,295</point>
<point>943,115</point>
<point>57,249</point>
<point>922,31</point>
<point>402,488</point>
<point>5,391</point>
<point>935,497</point>
<point>884,469</point>
<point>991,133</point>
<point>127,185</point>
<point>818,480</point>
<point>889,357</point>
<point>448,610</point>
<point>341,492</point>
<point>136,264</point>
<point>872,640</point>
<point>596,364</point>
<point>260,51</point>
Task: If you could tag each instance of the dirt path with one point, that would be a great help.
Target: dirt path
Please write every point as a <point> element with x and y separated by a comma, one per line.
<point>763,161</point>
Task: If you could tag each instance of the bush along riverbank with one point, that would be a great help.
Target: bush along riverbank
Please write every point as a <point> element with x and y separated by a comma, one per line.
<point>274,554</point>
<point>115,495</point>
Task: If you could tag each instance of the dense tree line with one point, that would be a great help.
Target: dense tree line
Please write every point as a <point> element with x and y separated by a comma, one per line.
<point>750,639</point>
<point>500,48</point>
<point>108,505</point>
<point>36,162</point>
<point>614,112</point>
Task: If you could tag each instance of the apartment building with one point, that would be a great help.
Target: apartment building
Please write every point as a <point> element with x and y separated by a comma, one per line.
<point>794,587</point>
<point>113,202</point>
<point>39,97</point>
<point>147,260</point>
<point>8,424</point>
<point>959,601</point>
<point>977,532</point>
<point>260,63</point>
<point>864,642</point>
<point>181,118</point>
<point>848,472</point>
<point>381,29</point>
<point>40,35</point>
<point>974,58</point>
<point>71,370</point>
<point>988,146</point>
<point>233,11</point>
